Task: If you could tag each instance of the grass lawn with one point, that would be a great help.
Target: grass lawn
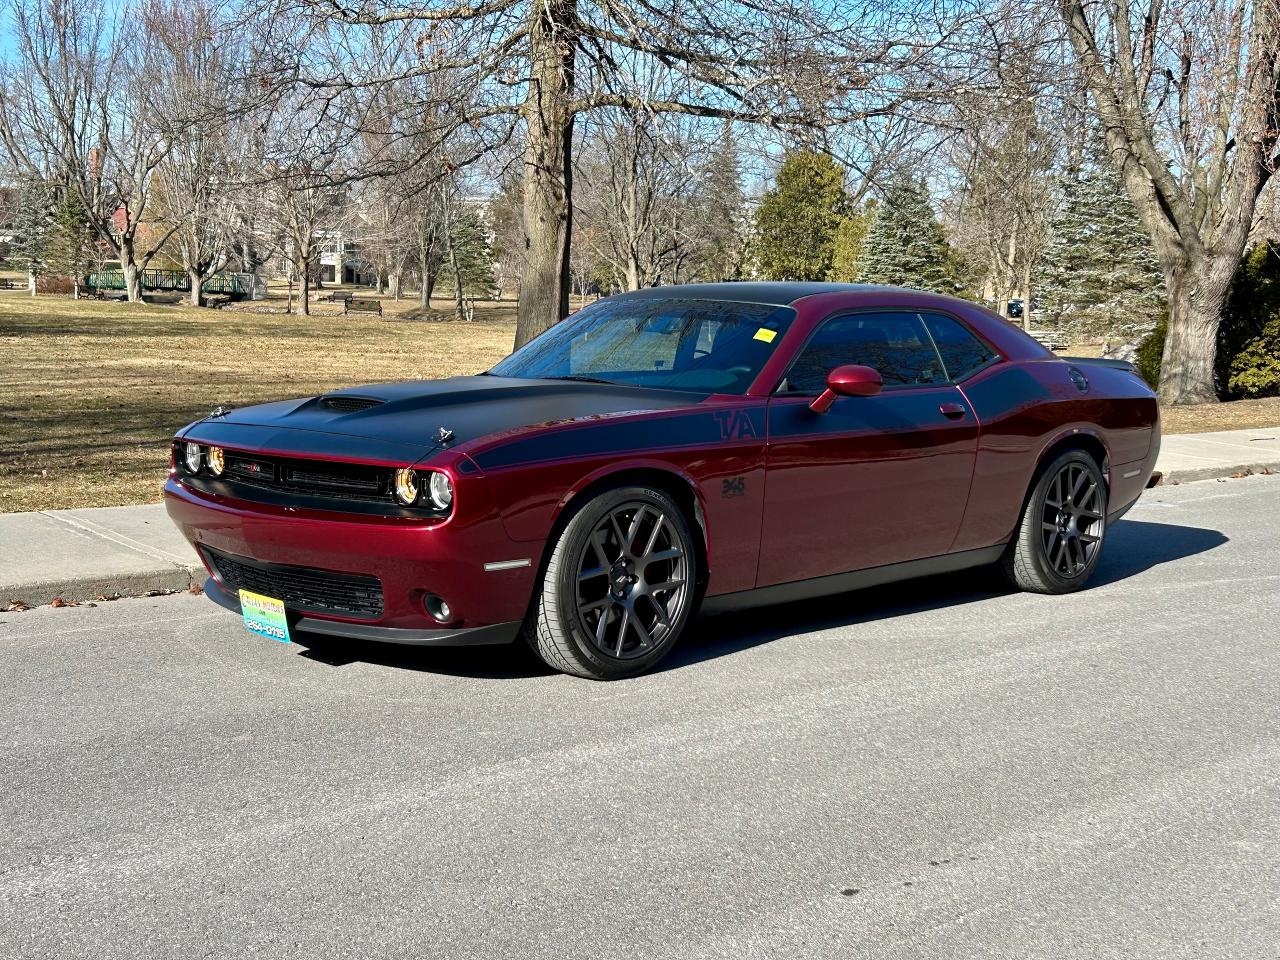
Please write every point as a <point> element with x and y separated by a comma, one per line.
<point>91,392</point>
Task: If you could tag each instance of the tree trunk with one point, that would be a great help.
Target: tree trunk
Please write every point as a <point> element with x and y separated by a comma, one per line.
<point>304,290</point>
<point>548,117</point>
<point>1026,294</point>
<point>197,281</point>
<point>1197,294</point>
<point>132,279</point>
<point>31,280</point>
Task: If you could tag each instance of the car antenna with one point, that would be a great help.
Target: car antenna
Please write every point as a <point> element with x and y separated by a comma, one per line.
<point>444,435</point>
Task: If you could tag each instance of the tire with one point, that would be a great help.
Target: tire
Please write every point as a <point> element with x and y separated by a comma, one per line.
<point>1060,536</point>
<point>619,587</point>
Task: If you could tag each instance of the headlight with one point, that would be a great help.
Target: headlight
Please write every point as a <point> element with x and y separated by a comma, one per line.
<point>440,490</point>
<point>217,461</point>
<point>406,486</point>
<point>191,457</point>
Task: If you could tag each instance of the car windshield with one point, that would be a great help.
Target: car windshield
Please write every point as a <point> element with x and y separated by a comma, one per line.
<point>707,346</point>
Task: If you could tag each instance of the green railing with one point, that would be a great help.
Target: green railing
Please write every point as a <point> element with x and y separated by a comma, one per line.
<point>231,283</point>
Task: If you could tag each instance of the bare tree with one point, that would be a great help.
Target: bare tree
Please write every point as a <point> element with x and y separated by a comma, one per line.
<point>1189,98</point>
<point>194,72</point>
<point>790,63</point>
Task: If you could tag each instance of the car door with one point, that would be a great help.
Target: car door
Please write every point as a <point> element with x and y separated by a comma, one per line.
<point>875,480</point>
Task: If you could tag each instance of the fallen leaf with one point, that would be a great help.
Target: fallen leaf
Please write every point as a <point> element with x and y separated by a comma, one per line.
<point>196,589</point>
<point>57,602</point>
<point>16,606</point>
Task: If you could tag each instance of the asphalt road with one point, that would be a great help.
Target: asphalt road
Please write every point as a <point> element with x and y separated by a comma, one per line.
<point>942,769</point>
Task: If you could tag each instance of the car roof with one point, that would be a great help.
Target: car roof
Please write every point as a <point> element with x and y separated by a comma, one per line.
<point>780,293</point>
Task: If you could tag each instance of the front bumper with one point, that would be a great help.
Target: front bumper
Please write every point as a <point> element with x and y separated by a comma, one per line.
<point>409,559</point>
<point>497,633</point>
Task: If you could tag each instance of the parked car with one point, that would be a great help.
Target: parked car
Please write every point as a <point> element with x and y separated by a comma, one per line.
<point>677,449</point>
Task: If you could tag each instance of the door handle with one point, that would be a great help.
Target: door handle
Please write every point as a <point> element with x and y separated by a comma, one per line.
<point>953,411</point>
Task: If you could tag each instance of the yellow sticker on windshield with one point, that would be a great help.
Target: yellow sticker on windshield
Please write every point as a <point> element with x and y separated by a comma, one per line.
<point>766,334</point>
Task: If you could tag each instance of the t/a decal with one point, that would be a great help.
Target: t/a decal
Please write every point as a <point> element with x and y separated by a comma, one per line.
<point>733,487</point>
<point>735,425</point>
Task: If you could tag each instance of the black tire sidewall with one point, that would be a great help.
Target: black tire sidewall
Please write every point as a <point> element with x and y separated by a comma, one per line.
<point>563,580</point>
<point>1035,510</point>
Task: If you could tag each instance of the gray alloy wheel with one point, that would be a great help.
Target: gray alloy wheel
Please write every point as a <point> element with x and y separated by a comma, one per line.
<point>619,586</point>
<point>1059,541</point>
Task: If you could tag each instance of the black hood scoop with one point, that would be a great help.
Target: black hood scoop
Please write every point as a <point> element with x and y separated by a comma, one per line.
<point>341,403</point>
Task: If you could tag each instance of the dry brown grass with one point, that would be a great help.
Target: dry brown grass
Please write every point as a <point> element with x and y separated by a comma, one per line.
<point>1236,415</point>
<point>91,392</point>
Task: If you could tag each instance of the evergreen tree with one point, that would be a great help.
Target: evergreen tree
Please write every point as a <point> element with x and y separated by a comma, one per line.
<point>720,232</point>
<point>69,241</point>
<point>905,246</point>
<point>1098,271</point>
<point>31,227</point>
<point>468,261</point>
<point>798,219</point>
<point>850,243</point>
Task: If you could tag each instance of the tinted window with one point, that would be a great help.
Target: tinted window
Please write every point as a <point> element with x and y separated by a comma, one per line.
<point>962,352</point>
<point>710,346</point>
<point>893,343</point>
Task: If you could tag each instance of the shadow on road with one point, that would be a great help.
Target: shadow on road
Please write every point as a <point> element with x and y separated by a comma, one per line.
<point>1132,547</point>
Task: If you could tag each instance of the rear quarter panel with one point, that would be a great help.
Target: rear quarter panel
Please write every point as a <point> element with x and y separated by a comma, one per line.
<point>1026,408</point>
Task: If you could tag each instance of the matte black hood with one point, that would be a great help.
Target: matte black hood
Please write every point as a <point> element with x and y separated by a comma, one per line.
<point>411,414</point>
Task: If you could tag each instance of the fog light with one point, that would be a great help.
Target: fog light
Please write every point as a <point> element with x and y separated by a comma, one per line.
<point>217,461</point>
<point>191,457</point>
<point>437,608</point>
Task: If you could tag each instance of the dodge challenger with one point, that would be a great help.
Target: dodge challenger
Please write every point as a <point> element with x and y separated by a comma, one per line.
<point>665,452</point>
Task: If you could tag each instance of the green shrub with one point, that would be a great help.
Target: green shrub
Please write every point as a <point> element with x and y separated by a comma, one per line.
<point>1249,336</point>
<point>1255,369</point>
<point>1150,352</point>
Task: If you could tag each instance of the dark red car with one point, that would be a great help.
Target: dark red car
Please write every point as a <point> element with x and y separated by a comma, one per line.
<point>707,446</point>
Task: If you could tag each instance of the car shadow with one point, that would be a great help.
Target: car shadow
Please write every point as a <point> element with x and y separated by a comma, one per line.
<point>1133,546</point>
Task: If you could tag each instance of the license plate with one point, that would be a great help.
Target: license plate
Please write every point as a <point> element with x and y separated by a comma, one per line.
<point>264,615</point>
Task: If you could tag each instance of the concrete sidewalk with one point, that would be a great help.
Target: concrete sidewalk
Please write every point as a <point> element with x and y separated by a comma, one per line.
<point>132,551</point>
<point>1204,456</point>
<point>99,552</point>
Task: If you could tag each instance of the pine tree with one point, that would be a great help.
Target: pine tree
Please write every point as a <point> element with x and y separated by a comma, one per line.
<point>851,243</point>
<point>31,227</point>
<point>798,219</point>
<point>69,241</point>
<point>906,246</point>
<point>468,261</point>
<point>1098,271</point>
<point>720,210</point>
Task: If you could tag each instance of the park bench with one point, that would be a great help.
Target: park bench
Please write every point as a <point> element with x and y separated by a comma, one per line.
<point>7,284</point>
<point>339,296</point>
<point>362,306</point>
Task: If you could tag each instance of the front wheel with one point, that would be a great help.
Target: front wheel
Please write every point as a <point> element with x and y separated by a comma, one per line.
<point>619,587</point>
<point>1059,540</point>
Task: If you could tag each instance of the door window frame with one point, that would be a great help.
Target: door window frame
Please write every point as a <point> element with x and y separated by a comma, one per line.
<point>996,357</point>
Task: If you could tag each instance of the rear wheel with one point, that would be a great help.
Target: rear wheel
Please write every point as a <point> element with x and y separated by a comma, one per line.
<point>1059,541</point>
<point>619,586</point>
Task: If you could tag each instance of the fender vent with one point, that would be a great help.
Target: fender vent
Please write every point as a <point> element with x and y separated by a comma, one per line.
<point>344,404</point>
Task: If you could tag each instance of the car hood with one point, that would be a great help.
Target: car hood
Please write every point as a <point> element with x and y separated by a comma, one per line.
<point>404,420</point>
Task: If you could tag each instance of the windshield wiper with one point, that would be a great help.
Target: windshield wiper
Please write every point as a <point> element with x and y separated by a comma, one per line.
<point>576,378</point>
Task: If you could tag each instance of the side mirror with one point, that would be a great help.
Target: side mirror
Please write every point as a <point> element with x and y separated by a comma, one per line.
<point>850,380</point>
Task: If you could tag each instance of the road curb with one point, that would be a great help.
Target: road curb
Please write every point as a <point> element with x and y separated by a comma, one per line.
<point>172,579</point>
<point>1217,472</point>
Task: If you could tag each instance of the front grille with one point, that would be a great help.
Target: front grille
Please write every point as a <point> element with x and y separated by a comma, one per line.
<point>301,588</point>
<point>343,404</point>
<point>352,481</point>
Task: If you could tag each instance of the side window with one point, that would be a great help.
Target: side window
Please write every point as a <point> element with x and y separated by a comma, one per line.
<point>893,343</point>
<point>962,352</point>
